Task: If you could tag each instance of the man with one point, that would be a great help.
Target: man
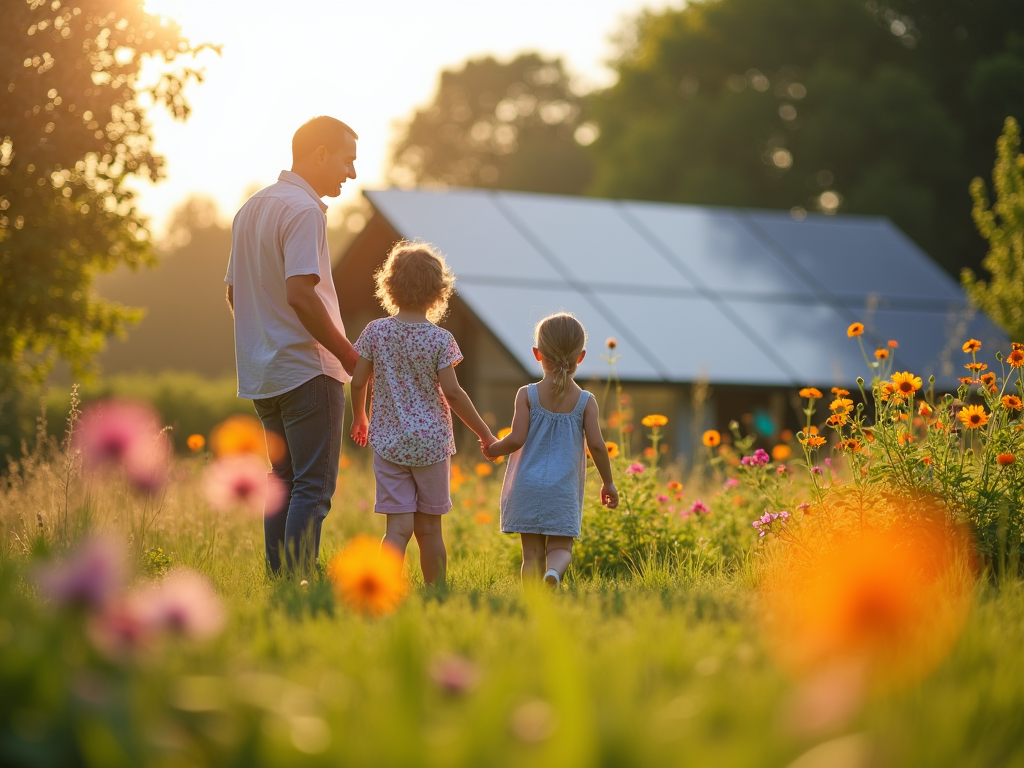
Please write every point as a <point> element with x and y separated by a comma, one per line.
<point>291,352</point>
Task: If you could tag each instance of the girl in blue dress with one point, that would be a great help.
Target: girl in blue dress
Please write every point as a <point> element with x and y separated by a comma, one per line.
<point>542,495</point>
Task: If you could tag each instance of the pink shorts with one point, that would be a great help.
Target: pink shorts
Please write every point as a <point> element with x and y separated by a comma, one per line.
<point>402,489</point>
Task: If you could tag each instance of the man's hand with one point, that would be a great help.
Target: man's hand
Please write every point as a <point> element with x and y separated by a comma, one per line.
<point>486,443</point>
<point>349,360</point>
<point>360,428</point>
<point>609,495</point>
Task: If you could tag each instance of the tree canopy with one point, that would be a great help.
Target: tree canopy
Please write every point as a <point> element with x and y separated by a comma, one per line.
<point>491,124</point>
<point>72,133</point>
<point>835,105</point>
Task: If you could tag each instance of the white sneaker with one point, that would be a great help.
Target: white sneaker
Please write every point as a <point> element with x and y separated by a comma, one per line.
<point>552,579</point>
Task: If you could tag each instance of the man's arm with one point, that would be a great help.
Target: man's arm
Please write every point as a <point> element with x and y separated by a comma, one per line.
<point>303,298</point>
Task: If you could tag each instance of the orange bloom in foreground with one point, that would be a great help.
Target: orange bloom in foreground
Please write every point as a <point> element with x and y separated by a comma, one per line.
<point>711,438</point>
<point>906,383</point>
<point>483,469</point>
<point>196,442</point>
<point>988,379</point>
<point>811,392</point>
<point>972,345</point>
<point>1012,402</point>
<point>244,434</point>
<point>654,420</point>
<point>1005,459</point>
<point>973,416</point>
<point>368,577</point>
<point>856,329</point>
<point>841,404</point>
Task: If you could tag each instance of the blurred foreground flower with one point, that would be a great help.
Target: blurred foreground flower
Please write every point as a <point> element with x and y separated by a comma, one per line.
<point>613,449</point>
<point>454,674</point>
<point>185,604</point>
<point>126,435</point>
<point>245,434</point>
<point>196,442</point>
<point>654,420</point>
<point>483,469</point>
<point>369,577</point>
<point>91,576</point>
<point>242,482</point>
<point>711,438</point>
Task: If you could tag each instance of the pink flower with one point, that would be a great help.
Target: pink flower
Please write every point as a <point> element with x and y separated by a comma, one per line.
<point>803,506</point>
<point>731,482</point>
<point>121,628</point>
<point>759,458</point>
<point>699,506</point>
<point>89,578</point>
<point>662,498</point>
<point>185,604</point>
<point>815,470</point>
<point>123,434</point>
<point>454,674</point>
<point>636,468</point>
<point>241,481</point>
<point>782,469</point>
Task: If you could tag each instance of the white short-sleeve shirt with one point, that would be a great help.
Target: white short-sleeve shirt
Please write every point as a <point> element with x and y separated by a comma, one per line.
<point>279,232</point>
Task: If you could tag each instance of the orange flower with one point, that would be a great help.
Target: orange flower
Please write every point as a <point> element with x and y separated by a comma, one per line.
<point>1005,459</point>
<point>841,405</point>
<point>973,416</point>
<point>483,518</point>
<point>988,379</point>
<point>611,343</point>
<point>905,438</point>
<point>344,462</point>
<point>893,344</point>
<point>781,452</point>
<point>967,380</point>
<point>851,445</point>
<point>924,409</point>
<point>675,485</point>
<point>816,442</point>
<point>504,432</point>
<point>869,435</point>
<point>1012,402</point>
<point>810,392</point>
<point>711,438</point>
<point>245,434</point>
<point>839,392</point>
<point>906,383</point>
<point>976,367</point>
<point>837,419</point>
<point>654,420</point>
<point>886,390</point>
<point>483,469</point>
<point>1016,358</point>
<point>856,329</point>
<point>881,353</point>
<point>613,449</point>
<point>196,442</point>
<point>972,345</point>
<point>368,576</point>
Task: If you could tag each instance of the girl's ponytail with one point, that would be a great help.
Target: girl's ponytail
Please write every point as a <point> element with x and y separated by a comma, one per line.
<point>560,339</point>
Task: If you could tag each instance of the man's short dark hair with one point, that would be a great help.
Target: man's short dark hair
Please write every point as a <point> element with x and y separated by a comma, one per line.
<point>320,131</point>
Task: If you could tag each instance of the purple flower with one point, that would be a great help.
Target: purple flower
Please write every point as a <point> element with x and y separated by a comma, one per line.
<point>759,458</point>
<point>662,498</point>
<point>803,506</point>
<point>636,468</point>
<point>699,506</point>
<point>828,463</point>
<point>90,578</point>
<point>184,603</point>
<point>784,515</point>
<point>815,470</point>
<point>126,435</point>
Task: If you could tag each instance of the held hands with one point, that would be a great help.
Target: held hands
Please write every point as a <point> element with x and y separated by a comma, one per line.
<point>609,495</point>
<point>360,427</point>
<point>486,442</point>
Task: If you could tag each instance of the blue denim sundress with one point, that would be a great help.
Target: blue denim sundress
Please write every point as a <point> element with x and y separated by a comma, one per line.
<point>544,482</point>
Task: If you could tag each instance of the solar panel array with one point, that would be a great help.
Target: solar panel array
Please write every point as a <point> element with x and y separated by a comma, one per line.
<point>690,292</point>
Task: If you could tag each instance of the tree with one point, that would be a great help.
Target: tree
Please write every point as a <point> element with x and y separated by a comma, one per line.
<point>497,125</point>
<point>1002,225</point>
<point>73,132</point>
<point>834,105</point>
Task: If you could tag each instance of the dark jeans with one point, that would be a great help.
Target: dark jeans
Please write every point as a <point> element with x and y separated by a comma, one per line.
<point>310,419</point>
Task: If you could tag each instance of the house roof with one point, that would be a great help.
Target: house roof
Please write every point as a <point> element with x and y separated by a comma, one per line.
<point>730,295</point>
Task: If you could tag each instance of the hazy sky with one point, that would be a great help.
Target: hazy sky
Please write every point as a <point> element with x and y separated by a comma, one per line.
<point>368,63</point>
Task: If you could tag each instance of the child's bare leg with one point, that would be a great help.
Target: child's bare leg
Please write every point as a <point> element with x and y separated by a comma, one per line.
<point>559,552</point>
<point>433,555</point>
<point>533,556</point>
<point>399,531</point>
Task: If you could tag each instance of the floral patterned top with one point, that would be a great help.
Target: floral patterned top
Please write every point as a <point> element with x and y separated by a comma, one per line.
<point>410,422</point>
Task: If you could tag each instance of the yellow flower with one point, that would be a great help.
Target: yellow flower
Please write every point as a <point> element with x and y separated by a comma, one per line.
<point>814,441</point>
<point>988,379</point>
<point>972,345</point>
<point>503,433</point>
<point>1016,358</point>
<point>973,416</point>
<point>781,452</point>
<point>483,469</point>
<point>810,392</point>
<point>654,420</point>
<point>906,383</point>
<point>368,576</point>
<point>856,329</point>
<point>711,438</point>
<point>613,449</point>
<point>976,367</point>
<point>196,442</point>
<point>841,404</point>
<point>852,445</point>
<point>1012,402</point>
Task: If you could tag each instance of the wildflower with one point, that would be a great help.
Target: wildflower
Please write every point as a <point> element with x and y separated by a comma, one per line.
<point>781,452</point>
<point>837,419</point>
<point>454,674</point>
<point>814,441</point>
<point>483,518</point>
<point>906,383</point>
<point>90,578</point>
<point>120,628</point>
<point>731,482</point>
<point>811,393</point>
<point>881,353</point>
<point>852,445</point>
<point>611,343</point>
<point>971,345</point>
<point>344,462</point>
<point>662,498</point>
<point>803,507</point>
<point>504,432</point>
<point>759,458</point>
<point>842,404</point>
<point>905,438</point>
<point>869,435</point>
<point>184,603</point>
<point>973,416</point>
<point>127,435</point>
<point>196,442</point>
<point>613,449</point>
<point>927,460</point>
<point>675,485</point>
<point>699,506</point>
<point>1016,357</point>
<point>988,379</point>
<point>1005,459</point>
<point>242,482</point>
<point>711,438</point>
<point>893,344</point>
<point>368,576</point>
<point>886,391</point>
<point>782,469</point>
<point>856,329</point>
<point>840,392</point>
<point>483,469</point>
<point>815,470</point>
<point>654,420</point>
<point>635,468</point>
<point>1011,402</point>
<point>976,367</point>
<point>244,434</point>
<point>968,380</point>
<point>648,452</point>
<point>925,410</point>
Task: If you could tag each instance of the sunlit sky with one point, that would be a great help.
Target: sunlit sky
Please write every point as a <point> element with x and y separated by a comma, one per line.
<point>368,63</point>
